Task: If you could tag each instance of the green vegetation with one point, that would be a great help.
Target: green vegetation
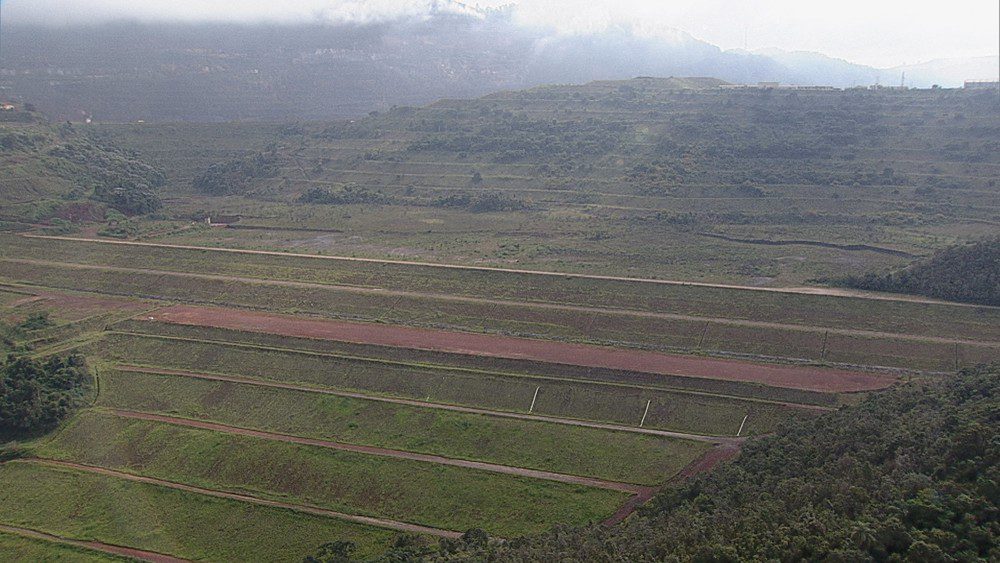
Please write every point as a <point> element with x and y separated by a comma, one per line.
<point>426,493</point>
<point>907,475</point>
<point>796,326</point>
<point>478,363</point>
<point>35,396</point>
<point>488,202</point>
<point>968,273</point>
<point>642,178</point>
<point>350,194</point>
<point>53,168</point>
<point>617,456</point>
<point>12,336</point>
<point>622,178</point>
<point>81,505</point>
<point>702,414</point>
<point>17,549</point>
<point>234,176</point>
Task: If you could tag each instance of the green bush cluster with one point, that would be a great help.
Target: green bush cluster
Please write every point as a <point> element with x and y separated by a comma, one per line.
<point>969,273</point>
<point>234,176</point>
<point>486,202</point>
<point>349,194</point>
<point>117,177</point>
<point>36,395</point>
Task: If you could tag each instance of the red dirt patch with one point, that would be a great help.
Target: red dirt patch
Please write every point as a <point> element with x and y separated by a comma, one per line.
<point>704,464</point>
<point>787,376</point>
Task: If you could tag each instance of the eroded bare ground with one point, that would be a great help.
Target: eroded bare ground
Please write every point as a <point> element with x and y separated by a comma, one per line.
<point>787,376</point>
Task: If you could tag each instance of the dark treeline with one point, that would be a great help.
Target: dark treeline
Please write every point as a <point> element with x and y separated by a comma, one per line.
<point>969,273</point>
<point>909,474</point>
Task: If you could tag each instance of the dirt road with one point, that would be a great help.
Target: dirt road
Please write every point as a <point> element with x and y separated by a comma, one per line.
<point>703,464</point>
<point>124,551</point>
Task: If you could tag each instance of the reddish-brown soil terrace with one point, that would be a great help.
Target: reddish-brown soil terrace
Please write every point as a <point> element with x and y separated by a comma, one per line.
<point>787,376</point>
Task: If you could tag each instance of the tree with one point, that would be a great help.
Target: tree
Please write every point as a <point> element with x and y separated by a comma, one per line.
<point>35,396</point>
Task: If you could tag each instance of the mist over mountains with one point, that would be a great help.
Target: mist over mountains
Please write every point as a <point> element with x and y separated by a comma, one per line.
<point>214,72</point>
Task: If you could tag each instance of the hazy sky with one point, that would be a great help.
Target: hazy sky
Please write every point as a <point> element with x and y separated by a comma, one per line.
<point>875,32</point>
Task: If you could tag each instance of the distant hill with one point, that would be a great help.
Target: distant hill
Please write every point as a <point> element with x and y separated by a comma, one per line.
<point>208,72</point>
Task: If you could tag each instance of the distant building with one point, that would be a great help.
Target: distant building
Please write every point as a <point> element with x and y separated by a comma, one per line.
<point>982,85</point>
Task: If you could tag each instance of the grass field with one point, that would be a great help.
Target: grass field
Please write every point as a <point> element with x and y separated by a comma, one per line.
<point>18,549</point>
<point>85,506</point>
<point>702,414</point>
<point>566,449</point>
<point>424,493</point>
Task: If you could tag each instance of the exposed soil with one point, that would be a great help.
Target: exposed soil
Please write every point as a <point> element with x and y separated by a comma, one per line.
<point>704,464</point>
<point>132,552</point>
<point>385,452</point>
<point>787,376</point>
<point>72,306</point>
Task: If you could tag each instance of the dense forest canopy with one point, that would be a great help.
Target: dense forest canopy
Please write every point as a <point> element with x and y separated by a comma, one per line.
<point>969,273</point>
<point>36,395</point>
<point>909,474</point>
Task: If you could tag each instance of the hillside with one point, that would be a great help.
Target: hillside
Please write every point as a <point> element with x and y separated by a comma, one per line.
<point>908,474</point>
<point>63,174</point>
<point>400,336</point>
<point>649,177</point>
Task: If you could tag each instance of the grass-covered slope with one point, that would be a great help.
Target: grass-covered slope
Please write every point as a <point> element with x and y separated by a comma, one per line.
<point>65,172</point>
<point>969,273</point>
<point>908,474</point>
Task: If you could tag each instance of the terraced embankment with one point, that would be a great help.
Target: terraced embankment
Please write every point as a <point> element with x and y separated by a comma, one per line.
<point>794,377</point>
<point>718,319</point>
<point>508,401</point>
